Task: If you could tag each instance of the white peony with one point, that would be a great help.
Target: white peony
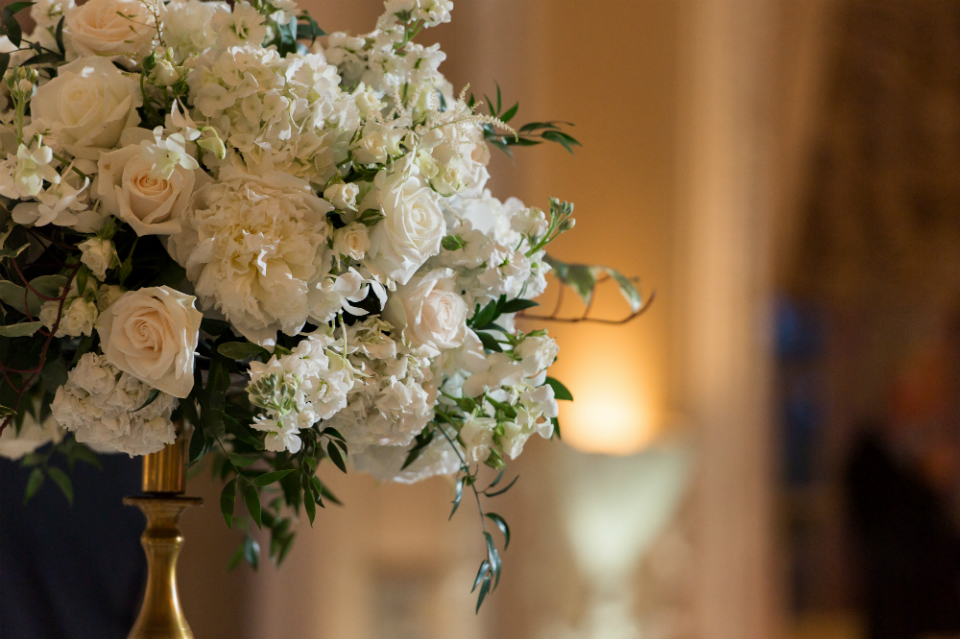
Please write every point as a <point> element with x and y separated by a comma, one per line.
<point>412,228</point>
<point>429,312</point>
<point>110,28</point>
<point>253,246</point>
<point>152,334</point>
<point>91,102</point>
<point>106,409</point>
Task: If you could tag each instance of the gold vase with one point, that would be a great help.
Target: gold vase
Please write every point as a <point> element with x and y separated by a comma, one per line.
<point>164,482</point>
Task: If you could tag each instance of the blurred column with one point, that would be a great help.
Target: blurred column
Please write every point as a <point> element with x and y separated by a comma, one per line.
<point>725,270</point>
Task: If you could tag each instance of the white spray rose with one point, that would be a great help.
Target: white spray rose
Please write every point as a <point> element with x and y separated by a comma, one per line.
<point>150,203</point>
<point>343,195</point>
<point>412,228</point>
<point>78,317</point>
<point>477,437</point>
<point>352,240</point>
<point>99,255</point>
<point>152,334</point>
<point>107,295</point>
<point>112,28</point>
<point>93,102</point>
<point>537,354</point>
<point>431,315</point>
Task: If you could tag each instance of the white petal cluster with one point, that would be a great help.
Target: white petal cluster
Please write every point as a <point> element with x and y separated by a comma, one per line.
<point>30,434</point>
<point>298,390</point>
<point>99,403</point>
<point>275,112</point>
<point>189,26</point>
<point>253,246</point>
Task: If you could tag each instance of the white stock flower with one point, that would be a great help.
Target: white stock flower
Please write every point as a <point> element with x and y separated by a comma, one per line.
<point>429,312</point>
<point>412,228</point>
<point>498,370</point>
<point>353,241</point>
<point>253,247</point>
<point>112,28</point>
<point>92,102</point>
<point>100,403</point>
<point>152,334</point>
<point>431,12</point>
<point>244,25</point>
<point>99,255</point>
<point>151,204</point>
<point>47,13</point>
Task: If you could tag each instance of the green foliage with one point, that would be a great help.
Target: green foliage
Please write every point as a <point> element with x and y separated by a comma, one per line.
<point>530,134</point>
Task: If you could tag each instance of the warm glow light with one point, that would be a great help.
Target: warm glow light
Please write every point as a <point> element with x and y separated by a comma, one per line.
<point>609,416</point>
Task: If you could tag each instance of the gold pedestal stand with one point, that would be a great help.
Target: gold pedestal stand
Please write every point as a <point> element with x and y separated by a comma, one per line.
<point>164,482</point>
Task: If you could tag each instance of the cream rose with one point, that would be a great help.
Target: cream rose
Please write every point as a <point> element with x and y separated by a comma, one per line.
<point>152,334</point>
<point>97,28</point>
<point>432,316</point>
<point>92,102</point>
<point>99,255</point>
<point>411,230</point>
<point>151,205</point>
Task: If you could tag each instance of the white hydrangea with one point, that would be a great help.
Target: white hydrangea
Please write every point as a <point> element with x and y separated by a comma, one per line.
<point>253,246</point>
<point>385,462</point>
<point>189,26</point>
<point>274,111</point>
<point>391,406</point>
<point>99,403</point>
<point>244,25</point>
<point>372,62</point>
<point>298,390</point>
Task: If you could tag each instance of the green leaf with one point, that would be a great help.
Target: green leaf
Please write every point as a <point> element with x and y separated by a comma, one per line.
<point>317,487</point>
<point>327,494</point>
<point>241,350</point>
<point>242,461</point>
<point>515,306</point>
<point>4,65</point>
<point>556,428</point>
<point>54,374</point>
<point>20,330</point>
<point>502,490</point>
<point>214,327</point>
<point>58,36</point>
<point>452,242</point>
<point>10,25</point>
<point>484,568</point>
<point>489,342</point>
<point>484,589</point>
<point>336,457</point>
<point>44,58</point>
<point>309,505</point>
<point>241,431</point>
<point>502,525</point>
<point>486,315</point>
<point>236,558</point>
<point>34,482</point>
<point>458,498</point>
<point>627,289</point>
<point>62,481</point>
<point>493,556</point>
<point>9,252</point>
<point>228,498</point>
<point>154,394</point>
<point>506,117</point>
<point>268,478</point>
<point>561,138</point>
<point>560,392</point>
<point>16,7</point>
<point>80,452</point>
<point>252,499</point>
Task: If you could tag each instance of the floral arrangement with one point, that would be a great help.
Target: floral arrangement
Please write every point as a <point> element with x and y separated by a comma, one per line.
<point>225,218</point>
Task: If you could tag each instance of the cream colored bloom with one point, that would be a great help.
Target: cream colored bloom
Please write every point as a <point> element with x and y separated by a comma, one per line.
<point>119,28</point>
<point>431,315</point>
<point>99,255</point>
<point>152,334</point>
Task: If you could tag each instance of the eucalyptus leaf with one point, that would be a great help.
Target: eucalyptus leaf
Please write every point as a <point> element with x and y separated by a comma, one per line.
<point>20,330</point>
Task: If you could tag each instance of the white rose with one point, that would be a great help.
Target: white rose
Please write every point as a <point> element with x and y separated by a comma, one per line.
<point>432,316</point>
<point>411,230</point>
<point>537,354</point>
<point>379,142</point>
<point>99,255</point>
<point>343,195</point>
<point>93,102</point>
<point>108,294</point>
<point>77,318</point>
<point>112,28</point>
<point>151,205</point>
<point>152,334</point>
<point>352,240</point>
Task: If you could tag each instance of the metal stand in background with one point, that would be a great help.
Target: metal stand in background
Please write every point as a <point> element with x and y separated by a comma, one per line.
<point>164,482</point>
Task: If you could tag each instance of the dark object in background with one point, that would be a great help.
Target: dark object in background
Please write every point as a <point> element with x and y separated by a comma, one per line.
<point>910,546</point>
<point>71,572</point>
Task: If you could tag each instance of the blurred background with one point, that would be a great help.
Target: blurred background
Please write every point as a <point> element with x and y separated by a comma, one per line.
<point>773,450</point>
